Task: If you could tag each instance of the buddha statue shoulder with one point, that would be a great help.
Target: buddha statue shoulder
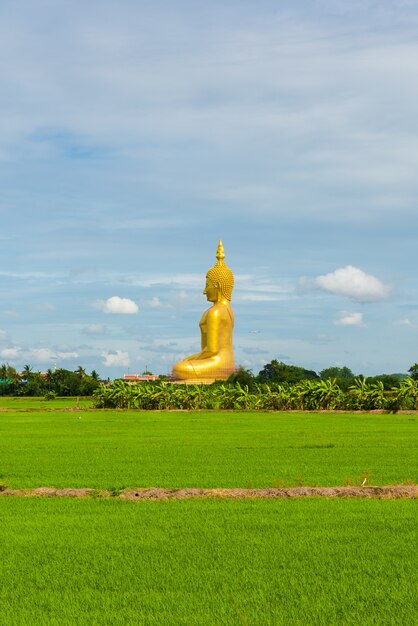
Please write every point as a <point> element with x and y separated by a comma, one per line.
<point>215,361</point>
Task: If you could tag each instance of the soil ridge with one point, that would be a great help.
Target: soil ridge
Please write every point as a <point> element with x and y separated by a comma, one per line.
<point>386,492</point>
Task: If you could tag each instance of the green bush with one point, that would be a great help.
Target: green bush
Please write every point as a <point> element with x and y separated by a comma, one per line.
<point>50,395</point>
<point>311,395</point>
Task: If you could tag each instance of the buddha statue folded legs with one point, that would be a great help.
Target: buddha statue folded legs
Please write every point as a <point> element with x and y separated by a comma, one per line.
<point>215,361</point>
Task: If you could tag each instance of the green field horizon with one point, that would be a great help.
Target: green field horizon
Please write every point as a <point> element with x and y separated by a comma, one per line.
<point>205,562</point>
<point>121,449</point>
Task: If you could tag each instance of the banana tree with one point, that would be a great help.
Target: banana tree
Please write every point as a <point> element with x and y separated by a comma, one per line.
<point>358,394</point>
<point>366,396</point>
<point>408,393</point>
<point>328,393</point>
<point>376,395</point>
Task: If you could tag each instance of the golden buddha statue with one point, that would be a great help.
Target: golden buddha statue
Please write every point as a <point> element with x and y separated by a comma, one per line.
<point>215,361</point>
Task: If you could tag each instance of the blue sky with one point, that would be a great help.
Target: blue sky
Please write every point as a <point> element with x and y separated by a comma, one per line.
<point>135,134</point>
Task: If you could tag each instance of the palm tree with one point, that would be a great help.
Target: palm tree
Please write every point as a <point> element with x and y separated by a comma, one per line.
<point>413,371</point>
<point>12,374</point>
<point>27,373</point>
<point>3,372</point>
<point>81,372</point>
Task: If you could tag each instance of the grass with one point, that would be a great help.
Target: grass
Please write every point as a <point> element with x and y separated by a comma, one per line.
<point>113,450</point>
<point>40,404</point>
<point>312,561</point>
<point>205,562</point>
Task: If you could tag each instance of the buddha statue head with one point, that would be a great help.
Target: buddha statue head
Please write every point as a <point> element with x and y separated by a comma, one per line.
<point>219,279</point>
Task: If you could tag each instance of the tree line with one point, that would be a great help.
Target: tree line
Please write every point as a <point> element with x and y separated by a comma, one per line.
<point>289,386</point>
<point>304,395</point>
<point>279,372</point>
<point>278,386</point>
<point>57,382</point>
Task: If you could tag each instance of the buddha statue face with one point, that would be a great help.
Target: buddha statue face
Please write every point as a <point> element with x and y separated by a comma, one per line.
<point>211,290</point>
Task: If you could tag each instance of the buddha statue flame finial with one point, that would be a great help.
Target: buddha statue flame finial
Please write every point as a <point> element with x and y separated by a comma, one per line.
<point>221,275</point>
<point>220,252</point>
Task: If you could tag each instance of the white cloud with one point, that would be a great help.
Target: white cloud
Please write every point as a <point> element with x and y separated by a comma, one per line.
<point>67,355</point>
<point>403,322</point>
<point>259,297</point>
<point>10,353</point>
<point>154,303</point>
<point>178,281</point>
<point>2,335</point>
<point>261,289</point>
<point>36,355</point>
<point>349,319</point>
<point>95,329</point>
<point>353,283</point>
<point>112,359</point>
<point>31,275</point>
<point>118,306</point>
<point>40,355</point>
<point>46,355</point>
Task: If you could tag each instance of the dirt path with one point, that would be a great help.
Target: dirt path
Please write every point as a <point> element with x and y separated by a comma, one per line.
<point>389,492</point>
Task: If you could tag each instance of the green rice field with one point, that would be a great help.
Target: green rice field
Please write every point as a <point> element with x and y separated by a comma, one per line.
<point>27,403</point>
<point>311,561</point>
<point>97,561</point>
<point>118,449</point>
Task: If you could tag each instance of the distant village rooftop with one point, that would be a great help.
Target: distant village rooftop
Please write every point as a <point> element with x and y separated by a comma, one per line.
<point>137,378</point>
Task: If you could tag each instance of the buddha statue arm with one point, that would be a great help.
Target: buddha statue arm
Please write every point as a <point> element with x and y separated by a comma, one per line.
<point>211,341</point>
<point>212,320</point>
